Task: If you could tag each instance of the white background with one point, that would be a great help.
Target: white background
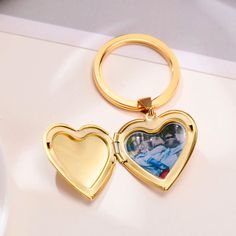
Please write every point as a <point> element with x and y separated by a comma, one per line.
<point>44,82</point>
<point>206,27</point>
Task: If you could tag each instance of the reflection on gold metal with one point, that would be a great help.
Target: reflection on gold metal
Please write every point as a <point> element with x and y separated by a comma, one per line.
<point>84,157</point>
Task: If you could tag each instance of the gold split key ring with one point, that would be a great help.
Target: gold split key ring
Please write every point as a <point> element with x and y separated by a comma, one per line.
<point>144,40</point>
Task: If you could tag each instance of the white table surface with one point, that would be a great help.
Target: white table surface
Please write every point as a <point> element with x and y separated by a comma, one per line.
<point>44,82</point>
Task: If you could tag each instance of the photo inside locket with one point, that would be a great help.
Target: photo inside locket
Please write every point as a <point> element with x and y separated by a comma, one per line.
<point>158,152</point>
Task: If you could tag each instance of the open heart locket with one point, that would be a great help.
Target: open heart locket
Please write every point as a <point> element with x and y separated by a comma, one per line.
<point>155,149</point>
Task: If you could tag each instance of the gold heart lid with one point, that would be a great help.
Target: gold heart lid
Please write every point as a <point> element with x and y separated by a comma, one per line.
<point>84,157</point>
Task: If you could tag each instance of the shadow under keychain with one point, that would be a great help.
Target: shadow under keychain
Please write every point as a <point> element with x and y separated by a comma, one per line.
<point>155,149</point>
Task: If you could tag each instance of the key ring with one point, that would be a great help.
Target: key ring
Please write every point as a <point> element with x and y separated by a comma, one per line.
<point>138,39</point>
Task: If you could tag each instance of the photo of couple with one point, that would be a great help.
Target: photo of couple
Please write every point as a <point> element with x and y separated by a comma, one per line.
<point>157,153</point>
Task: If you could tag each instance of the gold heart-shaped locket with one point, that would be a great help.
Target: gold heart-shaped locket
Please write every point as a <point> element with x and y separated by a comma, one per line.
<point>84,157</point>
<point>155,148</point>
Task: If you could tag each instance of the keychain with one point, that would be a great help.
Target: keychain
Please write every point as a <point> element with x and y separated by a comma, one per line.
<point>155,148</point>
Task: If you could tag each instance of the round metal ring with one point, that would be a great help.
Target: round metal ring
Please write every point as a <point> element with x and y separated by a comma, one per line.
<point>140,39</point>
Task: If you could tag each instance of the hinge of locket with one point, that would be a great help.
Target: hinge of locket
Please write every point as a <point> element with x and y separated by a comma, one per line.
<point>116,147</point>
<point>116,143</point>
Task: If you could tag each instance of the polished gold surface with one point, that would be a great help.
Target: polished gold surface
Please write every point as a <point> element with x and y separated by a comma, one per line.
<point>144,40</point>
<point>154,125</point>
<point>84,157</point>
